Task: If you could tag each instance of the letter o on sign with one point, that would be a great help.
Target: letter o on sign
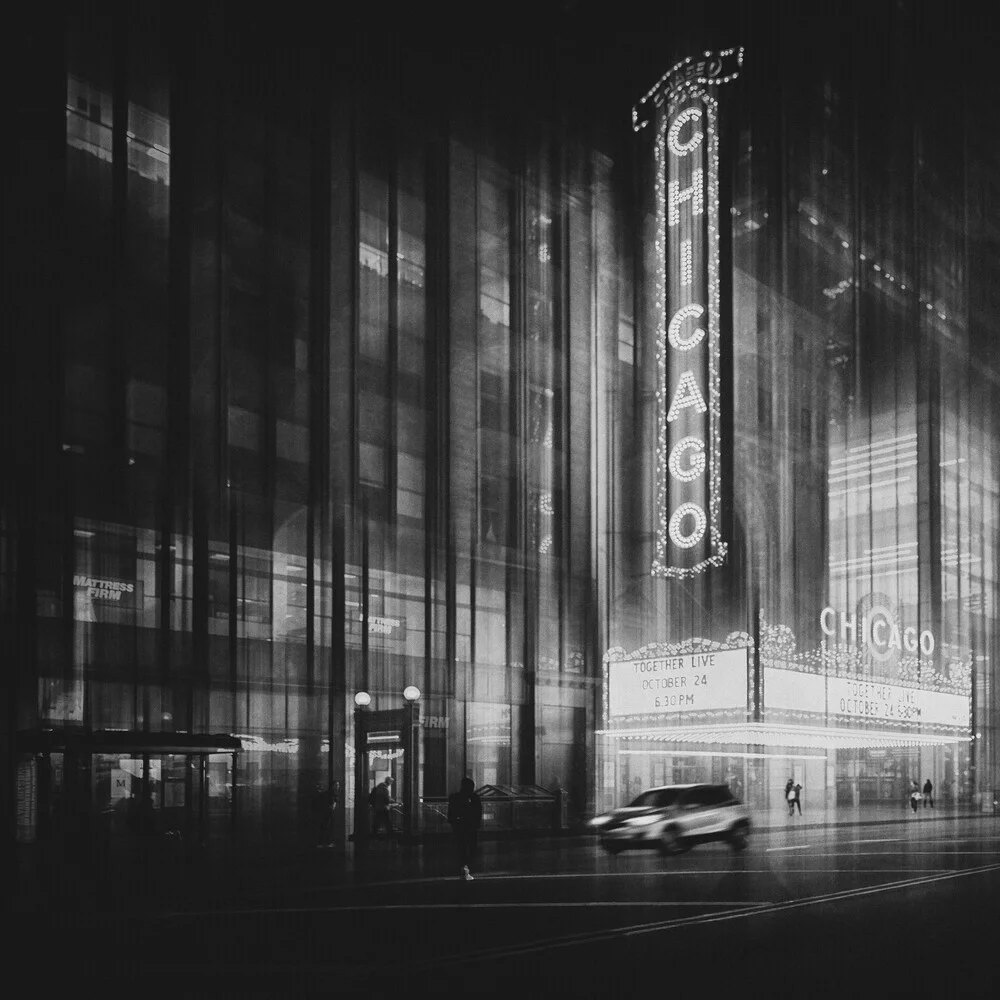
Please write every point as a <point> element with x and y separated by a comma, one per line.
<point>691,510</point>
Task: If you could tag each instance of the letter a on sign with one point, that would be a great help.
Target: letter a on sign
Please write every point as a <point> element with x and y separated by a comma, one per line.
<point>687,394</point>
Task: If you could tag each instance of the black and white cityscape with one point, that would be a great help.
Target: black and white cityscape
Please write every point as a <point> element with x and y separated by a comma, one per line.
<point>503,499</point>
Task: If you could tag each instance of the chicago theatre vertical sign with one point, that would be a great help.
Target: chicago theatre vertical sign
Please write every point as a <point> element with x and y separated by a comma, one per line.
<point>683,108</point>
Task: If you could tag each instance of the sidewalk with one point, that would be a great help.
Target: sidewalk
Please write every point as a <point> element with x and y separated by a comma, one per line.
<point>222,874</point>
<point>777,818</point>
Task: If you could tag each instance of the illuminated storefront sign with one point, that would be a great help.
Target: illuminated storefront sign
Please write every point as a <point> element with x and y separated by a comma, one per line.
<point>878,630</point>
<point>101,589</point>
<point>382,626</point>
<point>688,476</point>
<point>687,682</point>
<point>859,698</point>
<point>377,625</point>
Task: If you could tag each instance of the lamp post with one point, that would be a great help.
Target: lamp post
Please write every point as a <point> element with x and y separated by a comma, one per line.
<point>361,702</point>
<point>411,746</point>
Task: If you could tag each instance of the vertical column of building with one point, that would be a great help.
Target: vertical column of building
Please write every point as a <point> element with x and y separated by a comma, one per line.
<point>31,381</point>
<point>441,615</point>
<point>458,427</point>
<point>605,290</point>
<point>332,465</point>
<point>203,176</point>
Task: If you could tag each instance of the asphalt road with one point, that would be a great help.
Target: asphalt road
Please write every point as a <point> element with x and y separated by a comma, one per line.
<point>905,908</point>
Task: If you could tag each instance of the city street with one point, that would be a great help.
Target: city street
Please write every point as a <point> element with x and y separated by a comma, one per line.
<point>835,910</point>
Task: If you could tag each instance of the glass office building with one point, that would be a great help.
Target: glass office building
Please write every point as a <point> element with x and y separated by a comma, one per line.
<point>347,368</point>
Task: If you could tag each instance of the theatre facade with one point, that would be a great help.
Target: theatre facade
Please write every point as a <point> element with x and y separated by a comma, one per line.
<point>387,412</point>
<point>811,464</point>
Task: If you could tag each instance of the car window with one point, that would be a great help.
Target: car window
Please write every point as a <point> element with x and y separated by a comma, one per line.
<point>645,800</point>
<point>667,797</point>
<point>696,796</point>
<point>658,798</point>
<point>717,795</point>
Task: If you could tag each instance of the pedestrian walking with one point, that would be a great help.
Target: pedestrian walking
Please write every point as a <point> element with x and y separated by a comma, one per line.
<point>928,793</point>
<point>465,814</point>
<point>133,820</point>
<point>324,803</point>
<point>790,796</point>
<point>914,794</point>
<point>797,797</point>
<point>380,799</point>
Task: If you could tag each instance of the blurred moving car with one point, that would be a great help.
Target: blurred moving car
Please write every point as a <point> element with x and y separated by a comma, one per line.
<point>675,817</point>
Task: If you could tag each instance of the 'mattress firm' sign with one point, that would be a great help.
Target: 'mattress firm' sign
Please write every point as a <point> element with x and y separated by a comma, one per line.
<point>688,682</point>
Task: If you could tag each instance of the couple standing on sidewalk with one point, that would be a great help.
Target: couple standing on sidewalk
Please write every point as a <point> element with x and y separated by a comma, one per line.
<point>793,796</point>
<point>916,796</point>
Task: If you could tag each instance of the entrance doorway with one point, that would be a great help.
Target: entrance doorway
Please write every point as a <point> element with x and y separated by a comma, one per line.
<point>118,790</point>
<point>141,796</point>
<point>386,747</point>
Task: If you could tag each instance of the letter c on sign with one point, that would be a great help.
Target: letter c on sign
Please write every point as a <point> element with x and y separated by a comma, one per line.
<point>824,616</point>
<point>677,147</point>
<point>684,343</point>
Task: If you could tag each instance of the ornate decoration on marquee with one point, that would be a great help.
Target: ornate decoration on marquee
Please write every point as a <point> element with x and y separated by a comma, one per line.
<point>735,640</point>
<point>779,647</point>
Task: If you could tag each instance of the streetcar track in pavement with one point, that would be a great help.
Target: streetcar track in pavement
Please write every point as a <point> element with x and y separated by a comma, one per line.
<point>571,940</point>
<point>513,876</point>
<point>501,879</point>
<point>465,905</point>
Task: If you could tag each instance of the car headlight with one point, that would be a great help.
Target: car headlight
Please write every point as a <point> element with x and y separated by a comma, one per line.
<point>643,820</point>
<point>598,821</point>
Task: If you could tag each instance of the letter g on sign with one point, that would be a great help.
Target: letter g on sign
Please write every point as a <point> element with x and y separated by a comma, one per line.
<point>696,464</point>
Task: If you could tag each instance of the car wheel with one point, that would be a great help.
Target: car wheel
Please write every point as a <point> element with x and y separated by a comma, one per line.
<point>738,838</point>
<point>671,843</point>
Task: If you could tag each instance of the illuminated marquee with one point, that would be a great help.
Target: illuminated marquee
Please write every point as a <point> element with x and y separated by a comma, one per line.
<point>688,490</point>
<point>683,682</point>
<point>863,699</point>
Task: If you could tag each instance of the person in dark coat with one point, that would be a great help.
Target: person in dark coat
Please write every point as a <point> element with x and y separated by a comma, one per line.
<point>380,800</point>
<point>147,816</point>
<point>324,803</point>
<point>133,819</point>
<point>465,814</point>
<point>928,793</point>
<point>789,796</point>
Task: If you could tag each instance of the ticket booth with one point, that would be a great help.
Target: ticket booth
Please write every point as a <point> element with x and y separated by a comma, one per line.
<point>387,745</point>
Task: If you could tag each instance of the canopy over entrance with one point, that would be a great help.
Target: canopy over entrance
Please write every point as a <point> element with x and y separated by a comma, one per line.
<point>124,741</point>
